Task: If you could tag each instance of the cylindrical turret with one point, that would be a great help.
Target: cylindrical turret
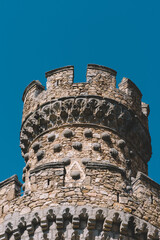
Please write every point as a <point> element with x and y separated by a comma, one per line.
<point>86,148</point>
<point>75,133</point>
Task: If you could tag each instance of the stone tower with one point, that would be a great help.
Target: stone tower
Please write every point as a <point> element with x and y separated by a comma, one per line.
<point>86,147</point>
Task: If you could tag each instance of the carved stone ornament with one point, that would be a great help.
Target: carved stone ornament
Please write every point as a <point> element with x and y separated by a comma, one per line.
<point>68,133</point>
<point>88,133</point>
<point>87,110</point>
<point>51,137</point>
<point>57,147</point>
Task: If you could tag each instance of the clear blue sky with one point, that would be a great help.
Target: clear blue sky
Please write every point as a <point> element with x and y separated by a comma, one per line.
<point>37,36</point>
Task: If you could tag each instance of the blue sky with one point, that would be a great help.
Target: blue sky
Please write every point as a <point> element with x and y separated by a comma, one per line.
<point>37,36</point>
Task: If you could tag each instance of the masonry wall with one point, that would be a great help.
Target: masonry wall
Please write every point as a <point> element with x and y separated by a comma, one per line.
<point>86,148</point>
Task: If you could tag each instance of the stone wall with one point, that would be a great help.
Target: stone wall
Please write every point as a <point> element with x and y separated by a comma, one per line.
<point>86,148</point>
<point>101,81</point>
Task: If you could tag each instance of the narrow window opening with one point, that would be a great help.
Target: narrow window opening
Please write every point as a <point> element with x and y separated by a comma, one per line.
<point>117,197</point>
<point>58,82</point>
<point>48,182</point>
<point>2,209</point>
<point>151,199</point>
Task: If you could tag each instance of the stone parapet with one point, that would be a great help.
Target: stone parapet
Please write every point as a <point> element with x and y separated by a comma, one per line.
<point>101,81</point>
<point>148,193</point>
<point>9,190</point>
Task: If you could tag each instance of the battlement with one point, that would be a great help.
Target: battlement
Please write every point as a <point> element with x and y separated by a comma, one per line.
<point>33,89</point>
<point>65,75</point>
<point>100,81</point>
<point>128,87</point>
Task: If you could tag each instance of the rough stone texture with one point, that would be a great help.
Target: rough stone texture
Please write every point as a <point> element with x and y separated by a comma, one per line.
<point>86,147</point>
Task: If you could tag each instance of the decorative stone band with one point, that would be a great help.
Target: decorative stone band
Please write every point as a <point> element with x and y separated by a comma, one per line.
<point>71,222</point>
<point>91,110</point>
<point>96,165</point>
<point>88,164</point>
<point>46,166</point>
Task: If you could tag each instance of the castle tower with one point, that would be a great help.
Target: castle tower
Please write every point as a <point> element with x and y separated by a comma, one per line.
<point>86,148</point>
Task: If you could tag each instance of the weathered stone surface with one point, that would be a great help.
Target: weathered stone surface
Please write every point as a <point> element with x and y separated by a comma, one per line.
<point>85,160</point>
<point>121,143</point>
<point>106,137</point>
<point>92,110</point>
<point>88,133</point>
<point>66,160</point>
<point>57,147</point>
<point>75,174</point>
<point>51,137</point>
<point>40,155</point>
<point>97,146</point>
<point>68,133</point>
<point>77,145</point>
<point>36,146</point>
<point>113,152</point>
<point>92,182</point>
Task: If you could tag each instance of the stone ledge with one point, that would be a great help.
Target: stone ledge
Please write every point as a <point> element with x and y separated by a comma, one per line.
<point>14,179</point>
<point>46,166</point>
<point>57,70</point>
<point>96,165</point>
<point>102,68</point>
<point>128,84</point>
<point>32,84</point>
<point>144,177</point>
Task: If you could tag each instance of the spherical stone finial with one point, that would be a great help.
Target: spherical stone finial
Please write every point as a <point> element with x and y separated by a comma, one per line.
<point>88,133</point>
<point>113,152</point>
<point>40,155</point>
<point>75,174</point>
<point>57,147</point>
<point>51,137</point>
<point>121,143</point>
<point>36,146</point>
<point>106,137</point>
<point>68,133</point>
<point>77,145</point>
<point>85,160</point>
<point>97,146</point>
<point>66,161</point>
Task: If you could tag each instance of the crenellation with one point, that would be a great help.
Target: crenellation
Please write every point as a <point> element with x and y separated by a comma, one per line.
<point>100,81</point>
<point>86,148</point>
<point>33,90</point>
<point>128,87</point>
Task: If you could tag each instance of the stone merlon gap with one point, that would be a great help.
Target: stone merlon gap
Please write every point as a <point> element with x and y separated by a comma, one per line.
<point>86,148</point>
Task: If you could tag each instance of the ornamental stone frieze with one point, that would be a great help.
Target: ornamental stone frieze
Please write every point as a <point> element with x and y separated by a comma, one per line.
<point>90,111</point>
